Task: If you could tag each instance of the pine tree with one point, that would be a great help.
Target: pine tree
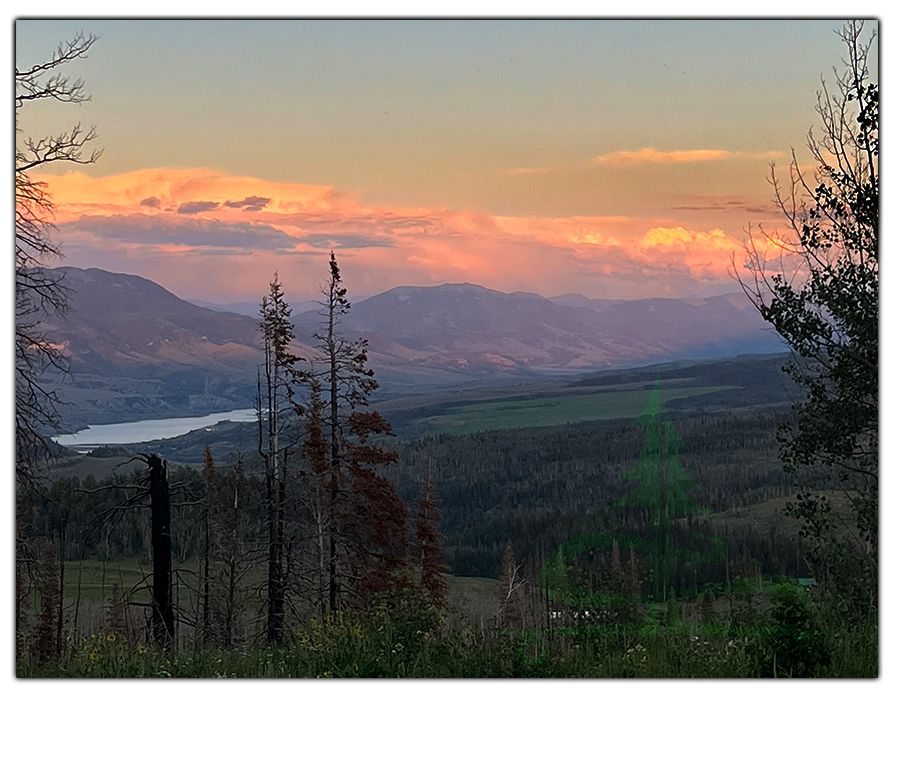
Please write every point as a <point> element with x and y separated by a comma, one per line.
<point>662,493</point>
<point>277,410</point>
<point>430,543</point>
<point>366,520</point>
<point>379,517</point>
<point>315,450</point>
<point>556,579</point>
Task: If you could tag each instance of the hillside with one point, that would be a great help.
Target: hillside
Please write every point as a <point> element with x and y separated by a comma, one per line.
<point>138,351</point>
<point>476,330</point>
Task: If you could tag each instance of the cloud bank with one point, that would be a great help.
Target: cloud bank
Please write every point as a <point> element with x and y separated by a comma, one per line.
<point>208,235</point>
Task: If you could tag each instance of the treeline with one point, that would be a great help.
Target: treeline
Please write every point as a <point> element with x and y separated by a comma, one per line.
<point>536,488</point>
<point>531,488</point>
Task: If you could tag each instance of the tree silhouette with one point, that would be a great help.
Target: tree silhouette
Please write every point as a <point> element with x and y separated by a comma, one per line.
<point>430,542</point>
<point>819,290</point>
<point>39,291</point>
<point>277,414</point>
<point>365,518</point>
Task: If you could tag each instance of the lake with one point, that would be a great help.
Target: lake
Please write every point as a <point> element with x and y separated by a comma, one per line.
<point>146,430</point>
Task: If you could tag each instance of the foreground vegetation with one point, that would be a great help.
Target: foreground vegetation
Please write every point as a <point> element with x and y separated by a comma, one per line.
<point>407,639</point>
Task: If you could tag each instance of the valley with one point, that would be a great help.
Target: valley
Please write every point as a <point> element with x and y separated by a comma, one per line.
<point>136,351</point>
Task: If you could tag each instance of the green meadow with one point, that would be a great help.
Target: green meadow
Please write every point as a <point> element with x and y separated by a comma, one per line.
<point>552,409</point>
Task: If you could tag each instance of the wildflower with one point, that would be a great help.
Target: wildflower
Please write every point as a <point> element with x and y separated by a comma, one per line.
<point>398,647</point>
<point>111,637</point>
<point>92,656</point>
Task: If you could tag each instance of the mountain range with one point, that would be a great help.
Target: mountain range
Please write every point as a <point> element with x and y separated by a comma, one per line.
<point>143,351</point>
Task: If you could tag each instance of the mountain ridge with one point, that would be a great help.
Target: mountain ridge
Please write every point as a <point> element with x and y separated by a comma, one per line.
<point>124,331</point>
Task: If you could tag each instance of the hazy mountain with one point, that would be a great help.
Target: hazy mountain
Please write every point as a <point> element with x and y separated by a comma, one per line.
<point>137,349</point>
<point>471,328</point>
<point>577,300</point>
<point>132,326</point>
<point>251,308</point>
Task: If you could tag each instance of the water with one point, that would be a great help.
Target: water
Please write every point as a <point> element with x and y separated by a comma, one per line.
<point>146,430</point>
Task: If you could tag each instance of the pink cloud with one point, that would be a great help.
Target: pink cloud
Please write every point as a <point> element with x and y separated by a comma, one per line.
<point>240,230</point>
<point>654,156</point>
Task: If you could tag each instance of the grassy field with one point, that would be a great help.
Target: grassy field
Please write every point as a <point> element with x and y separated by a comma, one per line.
<point>94,579</point>
<point>550,409</point>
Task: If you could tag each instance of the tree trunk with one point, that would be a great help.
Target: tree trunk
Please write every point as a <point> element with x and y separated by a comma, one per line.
<point>333,393</point>
<point>162,621</point>
<point>62,584</point>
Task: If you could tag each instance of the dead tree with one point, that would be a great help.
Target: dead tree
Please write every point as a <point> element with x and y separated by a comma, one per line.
<point>162,616</point>
<point>38,290</point>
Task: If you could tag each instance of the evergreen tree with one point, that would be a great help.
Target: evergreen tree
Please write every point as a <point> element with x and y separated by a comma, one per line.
<point>430,543</point>
<point>662,493</point>
<point>366,520</point>
<point>377,517</point>
<point>556,579</point>
<point>277,409</point>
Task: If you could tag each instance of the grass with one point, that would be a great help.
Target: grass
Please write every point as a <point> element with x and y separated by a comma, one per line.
<point>378,644</point>
<point>406,639</point>
<point>94,579</point>
<point>552,409</point>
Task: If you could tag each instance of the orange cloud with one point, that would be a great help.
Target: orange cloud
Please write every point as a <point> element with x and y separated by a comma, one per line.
<point>203,234</point>
<point>169,188</point>
<point>653,156</point>
<point>703,254</point>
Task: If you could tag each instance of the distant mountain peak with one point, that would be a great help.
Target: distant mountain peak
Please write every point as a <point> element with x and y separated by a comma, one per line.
<point>125,325</point>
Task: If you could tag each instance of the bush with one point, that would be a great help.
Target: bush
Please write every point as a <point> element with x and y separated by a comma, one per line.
<point>790,646</point>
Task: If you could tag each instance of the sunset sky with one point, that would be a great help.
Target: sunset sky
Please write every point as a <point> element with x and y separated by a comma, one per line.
<point>618,159</point>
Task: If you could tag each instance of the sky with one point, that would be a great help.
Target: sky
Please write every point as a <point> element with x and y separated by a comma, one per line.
<point>618,159</point>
